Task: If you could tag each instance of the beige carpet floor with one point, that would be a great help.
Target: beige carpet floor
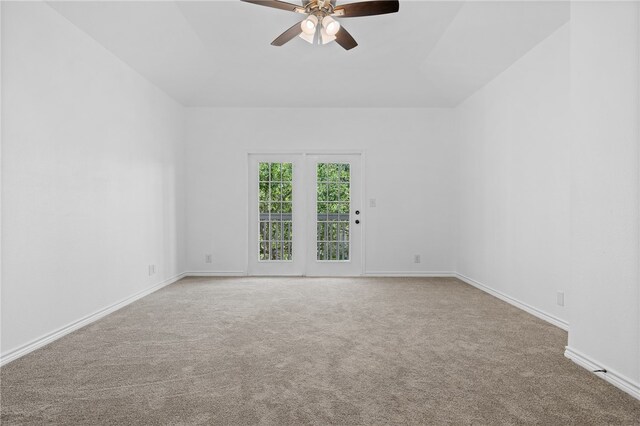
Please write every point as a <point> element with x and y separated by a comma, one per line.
<point>311,351</point>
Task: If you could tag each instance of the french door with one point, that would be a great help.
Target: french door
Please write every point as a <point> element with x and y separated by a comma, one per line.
<point>276,215</point>
<point>305,215</point>
<point>334,229</point>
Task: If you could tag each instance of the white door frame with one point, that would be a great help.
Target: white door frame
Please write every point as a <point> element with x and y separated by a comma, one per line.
<point>285,155</point>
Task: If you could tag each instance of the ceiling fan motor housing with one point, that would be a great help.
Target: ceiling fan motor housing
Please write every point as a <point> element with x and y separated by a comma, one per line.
<point>319,7</point>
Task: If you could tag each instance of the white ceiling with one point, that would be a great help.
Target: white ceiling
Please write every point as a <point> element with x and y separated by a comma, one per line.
<point>218,53</point>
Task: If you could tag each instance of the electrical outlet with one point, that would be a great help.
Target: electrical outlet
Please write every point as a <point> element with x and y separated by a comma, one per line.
<point>208,258</point>
<point>416,258</point>
<point>152,270</point>
<point>372,202</point>
<point>560,298</point>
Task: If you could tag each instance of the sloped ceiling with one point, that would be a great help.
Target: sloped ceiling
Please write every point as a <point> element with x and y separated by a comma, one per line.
<point>218,53</point>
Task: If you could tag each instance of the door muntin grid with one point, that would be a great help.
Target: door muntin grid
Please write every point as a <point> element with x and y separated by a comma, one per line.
<point>275,212</point>
<point>333,204</point>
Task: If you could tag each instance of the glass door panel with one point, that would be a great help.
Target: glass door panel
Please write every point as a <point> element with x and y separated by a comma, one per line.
<point>333,195</point>
<point>275,211</point>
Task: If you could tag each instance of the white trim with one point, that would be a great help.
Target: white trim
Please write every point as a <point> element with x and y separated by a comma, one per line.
<point>616,379</point>
<point>638,135</point>
<point>307,152</point>
<point>215,274</point>
<point>365,212</point>
<point>408,274</point>
<point>63,331</point>
<point>1,102</point>
<point>515,302</point>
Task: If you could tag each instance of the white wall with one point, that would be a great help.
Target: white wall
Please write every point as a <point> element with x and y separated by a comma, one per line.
<point>513,232</point>
<point>408,171</point>
<point>548,192</point>
<point>91,170</point>
<point>605,298</point>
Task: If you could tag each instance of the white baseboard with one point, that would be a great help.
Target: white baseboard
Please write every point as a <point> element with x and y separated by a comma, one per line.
<point>215,274</point>
<point>616,379</point>
<point>56,334</point>
<point>515,302</point>
<point>426,274</point>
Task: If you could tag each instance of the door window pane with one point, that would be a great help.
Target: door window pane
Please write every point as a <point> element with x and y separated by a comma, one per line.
<point>333,194</point>
<point>276,211</point>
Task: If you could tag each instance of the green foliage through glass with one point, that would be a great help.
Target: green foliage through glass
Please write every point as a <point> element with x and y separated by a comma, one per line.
<point>275,205</point>
<point>333,196</point>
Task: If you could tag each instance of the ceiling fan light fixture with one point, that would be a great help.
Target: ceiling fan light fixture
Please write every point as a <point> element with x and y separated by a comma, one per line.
<point>326,38</point>
<point>330,25</point>
<point>307,37</point>
<point>309,25</point>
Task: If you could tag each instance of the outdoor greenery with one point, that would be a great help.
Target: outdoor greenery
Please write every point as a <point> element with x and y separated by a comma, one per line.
<point>333,196</point>
<point>276,207</point>
<point>275,204</point>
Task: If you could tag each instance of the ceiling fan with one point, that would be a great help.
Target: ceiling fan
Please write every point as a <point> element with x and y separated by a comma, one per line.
<point>320,25</point>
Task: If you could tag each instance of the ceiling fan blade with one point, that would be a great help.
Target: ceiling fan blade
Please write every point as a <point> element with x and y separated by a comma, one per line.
<point>277,4</point>
<point>367,8</point>
<point>288,35</point>
<point>344,39</point>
